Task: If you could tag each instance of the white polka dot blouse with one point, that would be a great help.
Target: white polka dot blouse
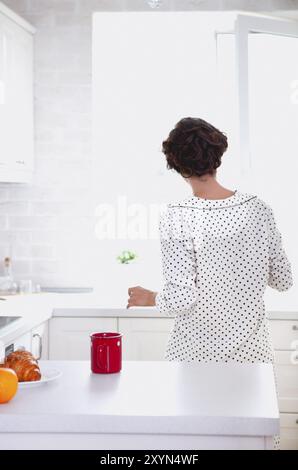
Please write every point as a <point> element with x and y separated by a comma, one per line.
<point>218,256</point>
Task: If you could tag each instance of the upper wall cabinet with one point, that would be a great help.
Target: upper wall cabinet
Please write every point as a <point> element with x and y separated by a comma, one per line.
<point>16,98</point>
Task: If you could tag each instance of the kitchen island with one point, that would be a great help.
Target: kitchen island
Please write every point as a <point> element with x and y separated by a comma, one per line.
<point>148,405</point>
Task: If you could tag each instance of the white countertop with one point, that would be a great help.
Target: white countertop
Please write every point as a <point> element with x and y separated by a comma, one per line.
<point>37,308</point>
<point>149,397</point>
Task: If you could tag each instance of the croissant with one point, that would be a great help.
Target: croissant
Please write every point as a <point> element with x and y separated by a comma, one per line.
<point>25,366</point>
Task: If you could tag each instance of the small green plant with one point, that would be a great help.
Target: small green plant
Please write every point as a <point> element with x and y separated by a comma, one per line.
<point>126,257</point>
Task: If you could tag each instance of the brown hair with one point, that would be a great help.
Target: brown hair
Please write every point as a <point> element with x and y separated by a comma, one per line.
<point>194,147</point>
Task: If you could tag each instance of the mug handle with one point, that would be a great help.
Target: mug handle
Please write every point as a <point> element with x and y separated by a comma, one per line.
<point>102,357</point>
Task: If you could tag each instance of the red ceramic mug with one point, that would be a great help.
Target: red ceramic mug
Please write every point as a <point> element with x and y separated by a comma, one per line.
<point>106,353</point>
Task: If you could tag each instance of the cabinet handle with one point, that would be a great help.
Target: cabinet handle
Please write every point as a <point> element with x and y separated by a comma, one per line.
<point>20,162</point>
<point>36,335</point>
<point>296,421</point>
<point>295,327</point>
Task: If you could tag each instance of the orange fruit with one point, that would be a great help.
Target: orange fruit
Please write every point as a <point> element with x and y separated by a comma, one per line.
<point>8,384</point>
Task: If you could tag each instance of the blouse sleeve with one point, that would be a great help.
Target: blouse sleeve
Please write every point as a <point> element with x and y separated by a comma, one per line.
<point>280,272</point>
<point>179,293</point>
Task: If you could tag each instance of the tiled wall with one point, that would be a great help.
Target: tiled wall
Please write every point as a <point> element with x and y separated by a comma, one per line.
<point>47,227</point>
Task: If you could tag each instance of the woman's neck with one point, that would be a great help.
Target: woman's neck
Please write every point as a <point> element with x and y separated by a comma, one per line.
<point>206,187</point>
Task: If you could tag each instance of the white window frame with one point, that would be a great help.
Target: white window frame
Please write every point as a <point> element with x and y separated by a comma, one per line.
<point>244,25</point>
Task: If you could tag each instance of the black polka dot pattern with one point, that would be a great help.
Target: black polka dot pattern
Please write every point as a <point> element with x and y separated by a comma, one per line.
<point>218,256</point>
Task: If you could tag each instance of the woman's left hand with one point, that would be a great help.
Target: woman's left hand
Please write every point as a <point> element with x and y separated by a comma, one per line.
<point>140,297</point>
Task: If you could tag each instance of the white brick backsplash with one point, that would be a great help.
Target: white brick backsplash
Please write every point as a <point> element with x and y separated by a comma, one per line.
<point>49,237</point>
<point>20,237</point>
<point>50,208</point>
<point>78,224</point>
<point>5,237</point>
<point>19,6</point>
<point>44,75</point>
<point>42,251</point>
<point>28,251</point>
<point>98,5</point>
<point>3,193</point>
<point>48,172</point>
<point>21,251</point>
<point>51,116</point>
<point>31,222</point>
<point>3,222</point>
<point>41,21</point>
<point>80,120</point>
<point>81,21</point>
<point>47,267</point>
<point>81,207</point>
<point>5,250</point>
<point>13,208</point>
<point>44,6</point>
<point>77,136</point>
<point>66,77</point>
<point>30,193</point>
<point>21,268</point>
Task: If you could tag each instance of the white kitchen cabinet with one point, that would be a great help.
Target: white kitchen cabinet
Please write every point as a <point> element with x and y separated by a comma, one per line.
<point>286,366</point>
<point>289,431</point>
<point>145,339</point>
<point>35,340</point>
<point>285,341</point>
<point>69,337</point>
<point>39,341</point>
<point>16,98</point>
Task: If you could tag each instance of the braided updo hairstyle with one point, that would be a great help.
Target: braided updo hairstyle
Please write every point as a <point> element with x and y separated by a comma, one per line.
<point>194,147</point>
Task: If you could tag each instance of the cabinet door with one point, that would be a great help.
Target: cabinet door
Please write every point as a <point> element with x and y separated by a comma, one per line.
<point>16,102</point>
<point>39,341</point>
<point>286,366</point>
<point>69,337</point>
<point>145,339</point>
<point>288,431</point>
<point>284,334</point>
<point>6,41</point>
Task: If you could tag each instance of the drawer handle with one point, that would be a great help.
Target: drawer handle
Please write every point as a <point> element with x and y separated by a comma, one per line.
<point>39,345</point>
<point>296,421</point>
<point>295,327</point>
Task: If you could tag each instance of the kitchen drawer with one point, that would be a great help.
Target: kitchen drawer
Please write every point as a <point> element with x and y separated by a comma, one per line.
<point>284,334</point>
<point>289,431</point>
<point>286,367</point>
<point>69,337</point>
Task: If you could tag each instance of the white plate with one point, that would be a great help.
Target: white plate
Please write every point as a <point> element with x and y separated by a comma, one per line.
<point>48,374</point>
